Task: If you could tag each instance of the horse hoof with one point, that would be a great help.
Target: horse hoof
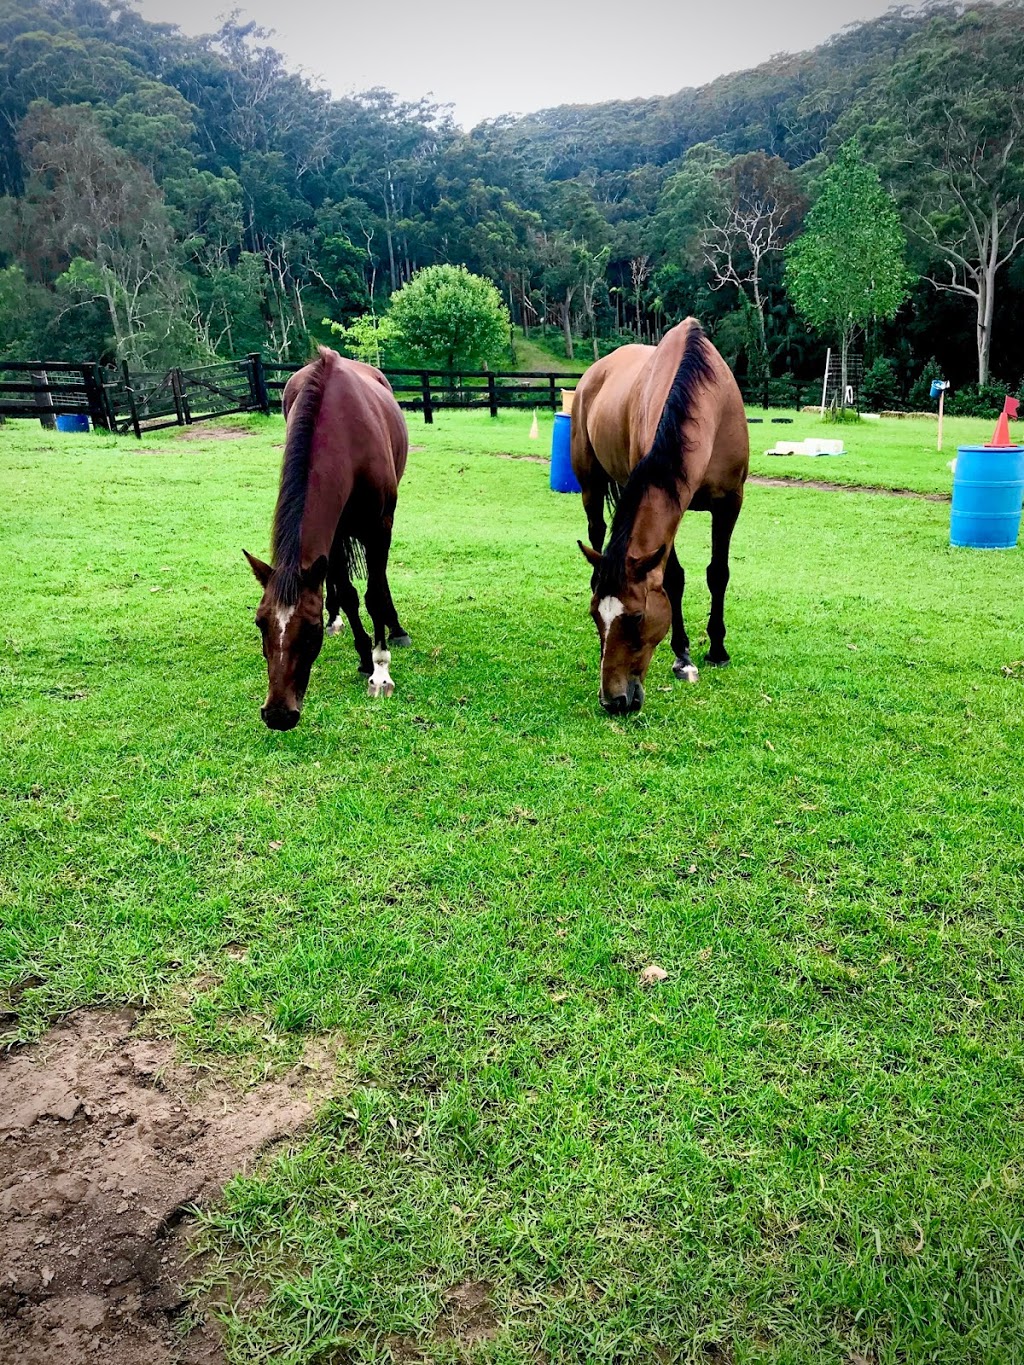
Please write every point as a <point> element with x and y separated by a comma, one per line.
<point>717,663</point>
<point>685,672</point>
<point>336,626</point>
<point>400,641</point>
<point>380,689</point>
<point>366,669</point>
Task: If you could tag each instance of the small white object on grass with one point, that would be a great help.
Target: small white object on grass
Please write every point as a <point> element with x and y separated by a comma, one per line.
<point>653,974</point>
<point>534,432</point>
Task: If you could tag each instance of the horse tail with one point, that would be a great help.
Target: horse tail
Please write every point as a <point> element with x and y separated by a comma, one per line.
<point>664,465</point>
<point>286,538</point>
<point>354,556</point>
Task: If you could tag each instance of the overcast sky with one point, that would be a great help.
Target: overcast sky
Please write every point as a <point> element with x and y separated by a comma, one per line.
<point>487,58</point>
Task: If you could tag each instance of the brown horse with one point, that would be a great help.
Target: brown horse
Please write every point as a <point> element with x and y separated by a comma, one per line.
<point>345,452</point>
<point>656,430</point>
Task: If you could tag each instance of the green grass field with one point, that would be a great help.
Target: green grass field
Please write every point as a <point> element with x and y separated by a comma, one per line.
<point>887,452</point>
<point>806,1145</point>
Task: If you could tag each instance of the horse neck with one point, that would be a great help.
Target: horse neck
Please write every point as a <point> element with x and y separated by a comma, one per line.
<point>327,491</point>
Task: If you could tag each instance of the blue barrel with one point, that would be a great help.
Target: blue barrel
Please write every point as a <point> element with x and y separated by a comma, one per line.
<point>563,480</point>
<point>72,422</point>
<point>988,490</point>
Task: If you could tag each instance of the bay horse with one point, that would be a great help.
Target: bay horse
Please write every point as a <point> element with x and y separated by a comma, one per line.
<point>345,452</point>
<point>656,430</point>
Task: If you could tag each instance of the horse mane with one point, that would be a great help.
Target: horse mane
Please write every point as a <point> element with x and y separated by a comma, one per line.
<point>664,465</point>
<point>286,537</point>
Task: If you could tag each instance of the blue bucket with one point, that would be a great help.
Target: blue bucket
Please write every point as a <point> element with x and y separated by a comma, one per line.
<point>988,490</point>
<point>563,480</point>
<point>72,422</point>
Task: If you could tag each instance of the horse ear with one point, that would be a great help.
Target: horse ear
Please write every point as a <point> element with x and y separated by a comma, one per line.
<point>314,576</point>
<point>591,555</point>
<point>640,568</point>
<point>261,570</point>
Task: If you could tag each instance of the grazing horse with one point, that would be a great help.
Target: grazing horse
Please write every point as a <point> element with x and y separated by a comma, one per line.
<point>656,430</point>
<point>345,452</point>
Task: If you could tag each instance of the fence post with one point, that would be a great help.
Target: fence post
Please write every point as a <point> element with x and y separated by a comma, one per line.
<point>492,395</point>
<point>178,395</point>
<point>258,383</point>
<point>551,395</point>
<point>428,406</point>
<point>132,406</point>
<point>43,399</point>
<point>95,396</point>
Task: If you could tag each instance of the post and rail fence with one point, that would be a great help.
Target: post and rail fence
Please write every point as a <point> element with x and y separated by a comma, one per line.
<point>119,399</point>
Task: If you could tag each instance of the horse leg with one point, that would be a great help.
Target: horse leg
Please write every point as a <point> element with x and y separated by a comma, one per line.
<point>675,582</point>
<point>592,479</point>
<point>400,638</point>
<point>724,512</point>
<point>348,600</point>
<point>381,609</point>
<point>334,626</point>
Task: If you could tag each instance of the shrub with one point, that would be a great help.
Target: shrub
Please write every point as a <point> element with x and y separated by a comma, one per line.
<point>783,392</point>
<point>880,388</point>
<point>977,400</point>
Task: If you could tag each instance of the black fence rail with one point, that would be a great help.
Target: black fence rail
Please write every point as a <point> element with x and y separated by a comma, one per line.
<point>48,389</point>
<point>427,391</point>
<point>124,400</point>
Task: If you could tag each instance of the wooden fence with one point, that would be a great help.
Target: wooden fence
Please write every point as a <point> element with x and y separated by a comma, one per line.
<point>123,400</point>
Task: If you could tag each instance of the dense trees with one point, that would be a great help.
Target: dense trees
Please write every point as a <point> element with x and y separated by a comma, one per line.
<point>163,196</point>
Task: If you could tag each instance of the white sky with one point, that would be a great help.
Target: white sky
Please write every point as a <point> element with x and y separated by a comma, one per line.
<point>489,58</point>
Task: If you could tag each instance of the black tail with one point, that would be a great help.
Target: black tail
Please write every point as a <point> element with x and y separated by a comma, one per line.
<point>355,557</point>
<point>286,539</point>
<point>664,465</point>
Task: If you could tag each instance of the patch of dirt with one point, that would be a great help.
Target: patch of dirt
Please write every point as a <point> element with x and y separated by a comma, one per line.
<point>206,431</point>
<point>765,482</point>
<point>105,1142</point>
<point>466,1318</point>
<point>467,1315</point>
<point>530,459</point>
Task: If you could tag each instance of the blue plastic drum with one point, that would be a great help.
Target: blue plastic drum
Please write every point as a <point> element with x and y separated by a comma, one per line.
<point>72,422</point>
<point>988,491</point>
<point>563,480</point>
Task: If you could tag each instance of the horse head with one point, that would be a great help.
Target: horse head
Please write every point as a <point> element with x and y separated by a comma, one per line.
<point>632,613</point>
<point>290,618</point>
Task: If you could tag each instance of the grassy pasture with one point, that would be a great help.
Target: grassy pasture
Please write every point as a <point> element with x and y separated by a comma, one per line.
<point>806,1145</point>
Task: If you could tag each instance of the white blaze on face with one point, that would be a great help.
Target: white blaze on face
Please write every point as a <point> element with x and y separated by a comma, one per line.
<point>284,615</point>
<point>609,608</point>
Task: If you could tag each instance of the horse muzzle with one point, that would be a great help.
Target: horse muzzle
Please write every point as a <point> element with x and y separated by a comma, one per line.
<point>625,702</point>
<point>279,717</point>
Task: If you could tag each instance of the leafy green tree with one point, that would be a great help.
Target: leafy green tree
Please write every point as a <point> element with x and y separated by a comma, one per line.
<point>371,338</point>
<point>848,267</point>
<point>448,318</point>
<point>26,313</point>
<point>949,129</point>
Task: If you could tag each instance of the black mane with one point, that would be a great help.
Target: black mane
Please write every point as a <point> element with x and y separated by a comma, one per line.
<point>286,538</point>
<point>663,467</point>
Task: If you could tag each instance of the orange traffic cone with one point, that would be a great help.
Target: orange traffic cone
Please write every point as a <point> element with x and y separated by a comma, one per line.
<point>1001,436</point>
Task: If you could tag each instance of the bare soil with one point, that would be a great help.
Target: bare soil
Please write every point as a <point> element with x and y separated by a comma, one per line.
<point>209,431</point>
<point>105,1145</point>
<point>765,482</point>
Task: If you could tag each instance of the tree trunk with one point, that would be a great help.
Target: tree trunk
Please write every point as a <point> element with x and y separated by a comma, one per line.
<point>986,301</point>
<point>567,330</point>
